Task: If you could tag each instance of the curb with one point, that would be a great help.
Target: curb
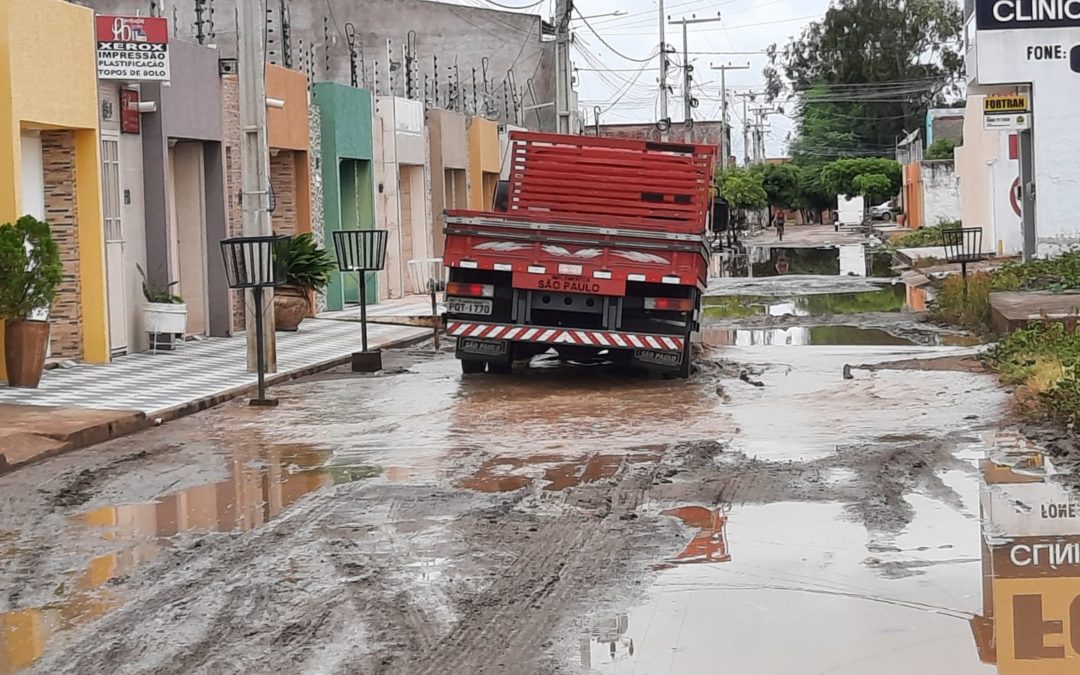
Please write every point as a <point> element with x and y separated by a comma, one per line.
<point>130,422</point>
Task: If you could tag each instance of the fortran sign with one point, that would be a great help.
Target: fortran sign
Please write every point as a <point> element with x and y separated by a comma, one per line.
<point>1012,14</point>
<point>133,48</point>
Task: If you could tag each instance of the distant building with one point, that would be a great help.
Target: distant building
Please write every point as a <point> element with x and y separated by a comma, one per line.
<point>513,52</point>
<point>703,133</point>
<point>944,124</point>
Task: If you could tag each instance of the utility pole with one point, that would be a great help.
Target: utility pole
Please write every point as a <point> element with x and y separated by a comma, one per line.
<point>664,123</point>
<point>689,102</point>
<point>563,69</point>
<point>255,157</point>
<point>746,98</point>
<point>762,115</point>
<point>725,142</point>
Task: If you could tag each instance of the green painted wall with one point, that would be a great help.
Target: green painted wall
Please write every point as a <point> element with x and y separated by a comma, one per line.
<point>348,179</point>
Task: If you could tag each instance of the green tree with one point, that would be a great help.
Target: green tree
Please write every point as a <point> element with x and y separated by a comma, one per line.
<point>840,177</point>
<point>742,189</point>
<point>867,72</point>
<point>942,148</point>
<point>873,186</point>
<point>781,184</point>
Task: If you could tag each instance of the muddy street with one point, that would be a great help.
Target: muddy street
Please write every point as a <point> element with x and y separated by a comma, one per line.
<point>766,516</point>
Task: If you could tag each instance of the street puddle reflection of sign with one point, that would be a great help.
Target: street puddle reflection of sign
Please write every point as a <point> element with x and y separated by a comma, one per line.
<point>260,486</point>
<point>709,544</point>
<point>1030,621</point>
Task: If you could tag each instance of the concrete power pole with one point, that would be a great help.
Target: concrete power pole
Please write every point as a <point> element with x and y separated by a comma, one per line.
<point>664,123</point>
<point>563,68</point>
<point>725,141</point>
<point>255,158</point>
<point>689,102</point>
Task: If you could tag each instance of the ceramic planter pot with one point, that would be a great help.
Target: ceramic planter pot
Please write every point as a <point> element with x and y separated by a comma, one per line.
<point>25,343</point>
<point>291,307</point>
<point>163,318</point>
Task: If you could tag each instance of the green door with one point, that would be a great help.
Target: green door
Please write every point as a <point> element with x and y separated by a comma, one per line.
<point>357,213</point>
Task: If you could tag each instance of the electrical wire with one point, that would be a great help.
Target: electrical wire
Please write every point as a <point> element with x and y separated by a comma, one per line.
<point>513,7</point>
<point>607,44</point>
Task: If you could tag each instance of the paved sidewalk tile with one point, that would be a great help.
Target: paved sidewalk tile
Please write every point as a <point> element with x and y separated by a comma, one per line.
<point>152,383</point>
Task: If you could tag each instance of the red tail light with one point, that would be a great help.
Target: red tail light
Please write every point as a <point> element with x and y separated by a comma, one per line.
<point>670,304</point>
<point>470,290</point>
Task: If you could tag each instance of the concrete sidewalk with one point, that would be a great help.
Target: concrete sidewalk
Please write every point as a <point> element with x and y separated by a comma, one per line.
<point>86,404</point>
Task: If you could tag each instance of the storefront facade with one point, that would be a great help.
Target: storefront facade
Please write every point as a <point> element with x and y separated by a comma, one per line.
<point>50,165</point>
<point>347,154</point>
<point>1018,47</point>
<point>484,162</point>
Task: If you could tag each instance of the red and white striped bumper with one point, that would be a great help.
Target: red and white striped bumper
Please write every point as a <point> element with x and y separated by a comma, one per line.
<point>566,336</point>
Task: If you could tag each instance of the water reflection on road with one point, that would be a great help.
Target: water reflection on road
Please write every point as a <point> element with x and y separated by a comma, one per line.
<point>262,482</point>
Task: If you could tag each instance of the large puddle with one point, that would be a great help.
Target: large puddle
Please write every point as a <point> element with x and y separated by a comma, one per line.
<point>888,299</point>
<point>261,485</point>
<point>801,588</point>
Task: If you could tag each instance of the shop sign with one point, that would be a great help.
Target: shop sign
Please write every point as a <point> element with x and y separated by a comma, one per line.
<point>130,121</point>
<point>1010,112</point>
<point>1016,14</point>
<point>133,48</point>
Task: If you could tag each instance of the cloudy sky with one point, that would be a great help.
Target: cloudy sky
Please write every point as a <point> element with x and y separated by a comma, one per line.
<point>614,77</point>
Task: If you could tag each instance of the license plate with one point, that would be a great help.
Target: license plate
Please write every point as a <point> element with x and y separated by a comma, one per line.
<point>565,283</point>
<point>468,306</point>
<point>658,358</point>
<point>483,347</point>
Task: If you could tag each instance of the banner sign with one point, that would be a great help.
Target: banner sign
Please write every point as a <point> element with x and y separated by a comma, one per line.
<point>1008,112</point>
<point>132,48</point>
<point>1013,14</point>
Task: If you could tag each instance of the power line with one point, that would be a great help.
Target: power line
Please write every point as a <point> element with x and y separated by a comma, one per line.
<point>607,44</point>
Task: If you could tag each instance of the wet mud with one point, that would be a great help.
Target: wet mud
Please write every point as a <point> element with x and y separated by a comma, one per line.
<point>557,520</point>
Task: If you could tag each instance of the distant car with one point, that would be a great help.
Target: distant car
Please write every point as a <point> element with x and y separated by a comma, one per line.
<point>883,211</point>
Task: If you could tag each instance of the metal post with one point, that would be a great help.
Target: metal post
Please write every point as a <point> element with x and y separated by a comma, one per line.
<point>963,272</point>
<point>363,311</point>
<point>255,156</point>
<point>261,400</point>
<point>435,311</point>
<point>1027,194</point>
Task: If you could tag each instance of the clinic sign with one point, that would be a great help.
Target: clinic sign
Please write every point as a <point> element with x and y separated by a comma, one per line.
<point>132,48</point>
<point>1017,14</point>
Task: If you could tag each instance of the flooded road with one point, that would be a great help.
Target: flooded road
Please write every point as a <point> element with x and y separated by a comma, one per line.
<point>768,516</point>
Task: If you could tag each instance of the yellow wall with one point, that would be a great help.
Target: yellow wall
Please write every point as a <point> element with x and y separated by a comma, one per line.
<point>483,158</point>
<point>48,79</point>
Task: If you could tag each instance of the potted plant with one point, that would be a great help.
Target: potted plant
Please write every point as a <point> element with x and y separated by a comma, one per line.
<point>30,275</point>
<point>164,312</point>
<point>307,270</point>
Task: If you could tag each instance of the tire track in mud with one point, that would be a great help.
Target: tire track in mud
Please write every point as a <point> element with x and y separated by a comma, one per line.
<point>223,602</point>
<point>507,626</point>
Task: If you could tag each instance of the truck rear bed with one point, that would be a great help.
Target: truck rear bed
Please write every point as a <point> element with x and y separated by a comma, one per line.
<point>602,247</point>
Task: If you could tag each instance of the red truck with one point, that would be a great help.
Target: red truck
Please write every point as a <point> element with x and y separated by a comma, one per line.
<point>598,251</point>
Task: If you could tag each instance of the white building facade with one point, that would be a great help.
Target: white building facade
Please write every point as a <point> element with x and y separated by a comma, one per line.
<point>1033,47</point>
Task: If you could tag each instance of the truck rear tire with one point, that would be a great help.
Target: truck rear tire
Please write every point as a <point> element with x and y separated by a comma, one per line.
<point>471,367</point>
